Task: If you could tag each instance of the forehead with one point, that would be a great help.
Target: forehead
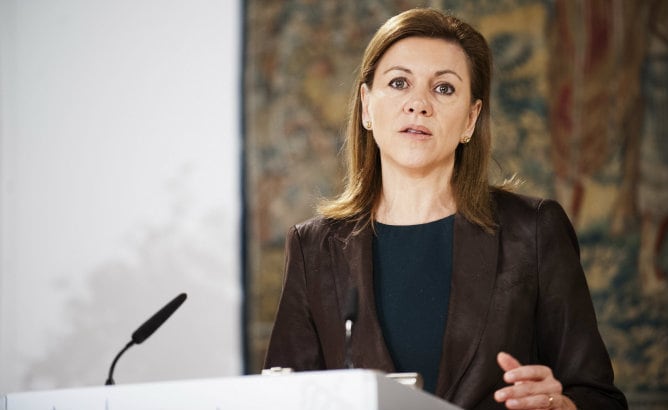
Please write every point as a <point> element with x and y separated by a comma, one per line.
<point>425,52</point>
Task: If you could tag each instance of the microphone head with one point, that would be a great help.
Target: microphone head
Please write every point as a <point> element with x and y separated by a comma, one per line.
<point>352,305</point>
<point>155,321</point>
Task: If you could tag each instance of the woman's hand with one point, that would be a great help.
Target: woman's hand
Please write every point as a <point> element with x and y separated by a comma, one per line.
<point>532,387</point>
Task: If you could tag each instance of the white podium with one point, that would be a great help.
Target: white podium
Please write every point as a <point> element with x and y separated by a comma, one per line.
<point>331,390</point>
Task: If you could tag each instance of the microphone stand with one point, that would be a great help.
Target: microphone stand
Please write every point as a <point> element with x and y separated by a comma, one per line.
<point>349,346</point>
<point>350,316</point>
<point>110,379</point>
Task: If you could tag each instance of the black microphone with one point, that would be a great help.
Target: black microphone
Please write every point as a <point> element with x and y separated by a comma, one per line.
<point>147,329</point>
<point>350,317</point>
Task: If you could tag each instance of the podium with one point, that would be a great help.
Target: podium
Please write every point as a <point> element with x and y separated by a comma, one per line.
<point>355,389</point>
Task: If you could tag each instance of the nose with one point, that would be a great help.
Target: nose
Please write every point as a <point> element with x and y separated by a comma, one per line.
<point>418,104</point>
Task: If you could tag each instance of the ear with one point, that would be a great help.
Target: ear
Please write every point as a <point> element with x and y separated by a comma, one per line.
<point>364,96</point>
<point>474,111</point>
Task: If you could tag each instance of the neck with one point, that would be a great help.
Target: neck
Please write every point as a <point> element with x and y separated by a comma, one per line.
<point>411,199</point>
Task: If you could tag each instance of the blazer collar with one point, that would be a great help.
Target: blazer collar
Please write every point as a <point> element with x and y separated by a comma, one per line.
<point>474,265</point>
<point>475,254</point>
<point>352,246</point>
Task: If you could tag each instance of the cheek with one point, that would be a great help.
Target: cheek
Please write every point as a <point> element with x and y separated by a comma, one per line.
<point>457,116</point>
<point>380,140</point>
<point>382,105</point>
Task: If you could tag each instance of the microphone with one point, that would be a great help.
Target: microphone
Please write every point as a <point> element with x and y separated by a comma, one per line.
<point>145,330</point>
<point>350,316</point>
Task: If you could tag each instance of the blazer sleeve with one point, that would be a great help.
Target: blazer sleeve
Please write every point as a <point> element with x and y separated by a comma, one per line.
<point>568,337</point>
<point>294,341</point>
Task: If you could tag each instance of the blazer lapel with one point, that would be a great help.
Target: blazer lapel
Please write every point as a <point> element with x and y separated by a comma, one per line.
<point>474,267</point>
<point>352,251</point>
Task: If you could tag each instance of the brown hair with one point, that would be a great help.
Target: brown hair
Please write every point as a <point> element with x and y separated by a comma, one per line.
<point>470,179</point>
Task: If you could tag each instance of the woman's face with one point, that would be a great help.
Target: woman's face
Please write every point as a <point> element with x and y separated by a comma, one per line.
<point>420,105</point>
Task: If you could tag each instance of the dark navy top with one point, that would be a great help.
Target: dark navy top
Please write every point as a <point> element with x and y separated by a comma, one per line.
<point>412,266</point>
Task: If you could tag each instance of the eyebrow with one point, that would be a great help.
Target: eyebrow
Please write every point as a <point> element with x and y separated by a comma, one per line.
<point>437,73</point>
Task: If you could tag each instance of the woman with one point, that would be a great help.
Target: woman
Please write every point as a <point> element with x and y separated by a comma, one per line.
<point>451,273</point>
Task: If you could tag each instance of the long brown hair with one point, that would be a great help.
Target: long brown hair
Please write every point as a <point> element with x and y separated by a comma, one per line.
<point>470,178</point>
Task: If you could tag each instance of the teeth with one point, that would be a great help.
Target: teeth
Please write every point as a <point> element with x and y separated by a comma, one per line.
<point>412,131</point>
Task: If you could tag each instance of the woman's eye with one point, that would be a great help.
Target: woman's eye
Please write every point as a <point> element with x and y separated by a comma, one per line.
<point>399,83</point>
<point>445,89</point>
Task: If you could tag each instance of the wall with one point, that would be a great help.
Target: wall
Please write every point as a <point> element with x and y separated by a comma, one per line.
<point>120,169</point>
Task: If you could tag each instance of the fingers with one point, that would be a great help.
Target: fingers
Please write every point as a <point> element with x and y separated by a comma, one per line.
<point>539,401</point>
<point>531,387</point>
<point>546,387</point>
<point>527,373</point>
<point>506,361</point>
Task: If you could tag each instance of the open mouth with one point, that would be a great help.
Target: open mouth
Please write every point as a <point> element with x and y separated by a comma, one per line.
<point>416,131</point>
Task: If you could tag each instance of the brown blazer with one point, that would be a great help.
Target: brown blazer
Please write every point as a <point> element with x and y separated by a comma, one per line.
<point>520,290</point>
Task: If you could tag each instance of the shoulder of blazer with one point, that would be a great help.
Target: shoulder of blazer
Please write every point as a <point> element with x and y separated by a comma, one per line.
<point>319,228</point>
<point>512,205</point>
<point>518,214</point>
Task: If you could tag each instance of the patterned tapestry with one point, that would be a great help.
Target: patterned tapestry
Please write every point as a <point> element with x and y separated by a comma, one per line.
<point>579,114</point>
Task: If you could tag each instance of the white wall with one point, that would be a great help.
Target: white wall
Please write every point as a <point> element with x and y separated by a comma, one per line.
<point>120,188</point>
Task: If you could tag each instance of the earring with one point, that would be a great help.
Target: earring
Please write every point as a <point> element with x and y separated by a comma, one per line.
<point>367,125</point>
<point>466,139</point>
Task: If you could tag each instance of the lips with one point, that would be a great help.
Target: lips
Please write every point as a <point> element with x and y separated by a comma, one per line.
<point>416,130</point>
